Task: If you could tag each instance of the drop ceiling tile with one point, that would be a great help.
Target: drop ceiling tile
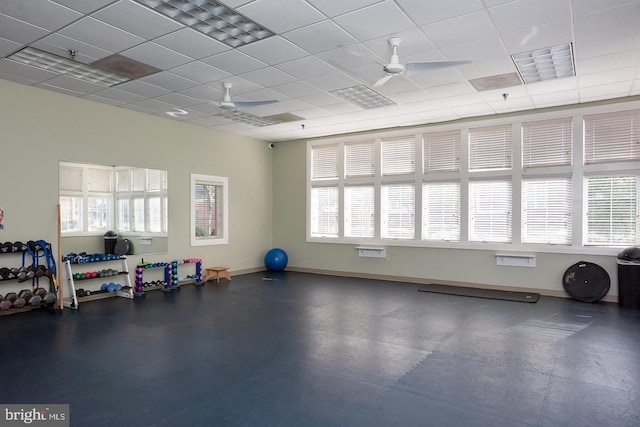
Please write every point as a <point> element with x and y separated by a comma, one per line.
<point>477,50</point>
<point>7,47</point>
<point>538,37</point>
<point>204,92</point>
<point>44,14</point>
<point>429,11</point>
<point>209,121</point>
<point>320,37</point>
<point>608,62</point>
<point>206,108</point>
<point>375,21</point>
<point>234,62</point>
<point>84,6</point>
<point>294,14</point>
<point>306,67</point>
<point>466,99</point>
<point>192,43</point>
<point>268,77</point>
<point>611,76</point>
<point>169,81</point>
<point>604,44</point>
<point>139,87</point>
<point>319,99</point>
<point>119,96</point>
<point>60,45</point>
<point>156,55</point>
<point>151,105</point>
<point>137,19</point>
<point>178,99</point>
<point>62,90</point>
<point>551,86</point>
<point>199,72</point>
<point>74,85</point>
<point>296,89</point>
<point>102,100</point>
<point>329,82</point>
<point>334,8</point>
<point>608,91</point>
<point>526,14</point>
<point>99,34</point>
<point>557,98</point>
<point>623,18</point>
<point>511,104</point>
<point>33,74</point>
<point>413,47</point>
<point>20,32</point>
<point>473,110</point>
<point>451,89</point>
<point>273,50</point>
<point>463,29</point>
<point>487,68</point>
<point>586,7</point>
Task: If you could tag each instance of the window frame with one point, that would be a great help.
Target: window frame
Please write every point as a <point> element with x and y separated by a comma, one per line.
<point>217,181</point>
<point>576,172</point>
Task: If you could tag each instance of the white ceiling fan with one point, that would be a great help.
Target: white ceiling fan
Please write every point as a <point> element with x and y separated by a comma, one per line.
<point>228,104</point>
<point>394,67</point>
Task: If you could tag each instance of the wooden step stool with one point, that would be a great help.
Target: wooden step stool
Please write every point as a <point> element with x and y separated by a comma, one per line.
<point>217,273</point>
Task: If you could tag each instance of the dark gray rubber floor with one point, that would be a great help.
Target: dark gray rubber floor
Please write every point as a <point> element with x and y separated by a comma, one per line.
<point>311,350</point>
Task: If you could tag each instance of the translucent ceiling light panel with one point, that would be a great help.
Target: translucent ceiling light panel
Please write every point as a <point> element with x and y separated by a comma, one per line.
<point>211,18</point>
<point>246,118</point>
<point>68,67</point>
<point>363,97</point>
<point>544,64</point>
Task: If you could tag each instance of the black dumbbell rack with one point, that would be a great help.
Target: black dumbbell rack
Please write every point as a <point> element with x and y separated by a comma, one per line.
<point>88,264</point>
<point>30,272</point>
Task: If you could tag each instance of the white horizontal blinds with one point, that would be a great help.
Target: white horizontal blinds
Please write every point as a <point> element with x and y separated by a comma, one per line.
<point>123,180</point>
<point>612,210</point>
<point>612,137</point>
<point>398,211</point>
<point>324,212</point>
<point>398,156</point>
<point>441,152</point>
<point>155,180</point>
<point>359,211</point>
<point>138,180</point>
<point>324,162</point>
<point>547,143</point>
<point>359,159</point>
<point>99,180</point>
<point>490,211</point>
<point>70,178</point>
<point>490,148</point>
<point>546,211</point>
<point>441,211</point>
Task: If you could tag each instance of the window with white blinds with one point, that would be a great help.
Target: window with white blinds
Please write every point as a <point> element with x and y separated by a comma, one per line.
<point>359,211</point>
<point>490,211</point>
<point>209,209</point>
<point>324,212</point>
<point>546,211</point>
<point>547,143</point>
<point>324,162</point>
<point>398,156</point>
<point>612,210</point>
<point>612,137</point>
<point>441,152</point>
<point>359,159</point>
<point>398,211</point>
<point>441,211</point>
<point>490,148</point>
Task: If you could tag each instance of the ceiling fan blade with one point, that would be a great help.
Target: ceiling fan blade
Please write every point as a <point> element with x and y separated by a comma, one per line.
<point>250,104</point>
<point>383,80</point>
<point>421,67</point>
<point>354,52</point>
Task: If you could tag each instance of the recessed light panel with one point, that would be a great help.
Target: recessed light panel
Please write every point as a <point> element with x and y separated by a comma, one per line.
<point>246,118</point>
<point>554,62</point>
<point>211,18</point>
<point>363,97</point>
<point>68,67</point>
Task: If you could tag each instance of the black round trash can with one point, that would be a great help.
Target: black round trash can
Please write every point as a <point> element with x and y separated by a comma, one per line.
<point>110,239</point>
<point>629,277</point>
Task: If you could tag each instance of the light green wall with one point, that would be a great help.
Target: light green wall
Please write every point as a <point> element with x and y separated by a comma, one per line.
<point>455,265</point>
<point>40,128</point>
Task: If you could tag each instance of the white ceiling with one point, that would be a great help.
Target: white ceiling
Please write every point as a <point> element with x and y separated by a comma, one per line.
<point>301,64</point>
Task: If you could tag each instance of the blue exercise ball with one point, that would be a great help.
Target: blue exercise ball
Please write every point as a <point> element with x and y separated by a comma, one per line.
<point>276,259</point>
